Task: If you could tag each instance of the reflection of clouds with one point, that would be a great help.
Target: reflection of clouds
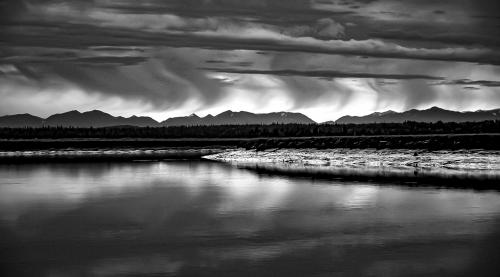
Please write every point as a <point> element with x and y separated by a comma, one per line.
<point>67,182</point>
<point>361,196</point>
<point>247,192</point>
<point>262,251</point>
<point>67,185</point>
<point>232,191</point>
<point>168,217</point>
<point>134,265</point>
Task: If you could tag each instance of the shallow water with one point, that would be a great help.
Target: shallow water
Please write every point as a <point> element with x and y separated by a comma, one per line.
<point>183,218</point>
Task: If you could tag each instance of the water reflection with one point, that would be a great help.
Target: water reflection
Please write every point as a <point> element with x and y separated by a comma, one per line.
<point>201,218</point>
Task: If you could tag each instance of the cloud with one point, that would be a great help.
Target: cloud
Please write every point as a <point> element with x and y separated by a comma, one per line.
<point>467,82</point>
<point>250,38</point>
<point>167,81</point>
<point>54,23</point>
<point>373,48</point>
<point>471,88</point>
<point>321,56</point>
<point>455,38</point>
<point>325,28</point>
<point>326,74</point>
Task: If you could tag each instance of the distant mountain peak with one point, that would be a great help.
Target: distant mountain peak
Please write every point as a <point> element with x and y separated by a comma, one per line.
<point>432,114</point>
<point>435,108</point>
<point>20,121</point>
<point>97,118</point>
<point>95,112</point>
<point>93,118</point>
<point>383,113</point>
<point>387,112</point>
<point>237,118</point>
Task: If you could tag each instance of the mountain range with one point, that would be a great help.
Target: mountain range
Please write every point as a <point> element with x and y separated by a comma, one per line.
<point>98,118</point>
<point>433,114</point>
<point>239,118</point>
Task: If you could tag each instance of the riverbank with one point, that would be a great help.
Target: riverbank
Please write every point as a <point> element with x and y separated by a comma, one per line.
<point>105,155</point>
<point>477,169</point>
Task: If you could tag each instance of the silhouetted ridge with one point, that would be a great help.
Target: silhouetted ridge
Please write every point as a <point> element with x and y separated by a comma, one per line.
<point>96,118</point>
<point>433,114</point>
<point>21,120</point>
<point>239,118</point>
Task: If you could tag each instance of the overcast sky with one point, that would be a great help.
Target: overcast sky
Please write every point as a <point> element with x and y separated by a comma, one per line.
<point>324,58</point>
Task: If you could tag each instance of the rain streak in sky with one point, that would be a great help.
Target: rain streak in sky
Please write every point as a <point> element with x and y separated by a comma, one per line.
<point>324,58</point>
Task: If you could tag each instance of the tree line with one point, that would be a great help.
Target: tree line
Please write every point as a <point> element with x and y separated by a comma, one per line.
<point>254,131</point>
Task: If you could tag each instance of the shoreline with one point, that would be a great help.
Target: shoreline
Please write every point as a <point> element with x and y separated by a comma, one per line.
<point>475,169</point>
<point>106,155</point>
<point>468,169</point>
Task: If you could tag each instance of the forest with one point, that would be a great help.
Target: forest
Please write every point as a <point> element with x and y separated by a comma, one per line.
<point>254,131</point>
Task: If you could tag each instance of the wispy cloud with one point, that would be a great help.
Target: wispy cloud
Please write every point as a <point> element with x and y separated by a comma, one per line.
<point>326,74</point>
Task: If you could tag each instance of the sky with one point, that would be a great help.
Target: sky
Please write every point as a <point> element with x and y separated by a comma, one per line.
<point>323,58</point>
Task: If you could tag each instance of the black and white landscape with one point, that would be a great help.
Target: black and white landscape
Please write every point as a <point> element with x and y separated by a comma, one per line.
<point>249,138</point>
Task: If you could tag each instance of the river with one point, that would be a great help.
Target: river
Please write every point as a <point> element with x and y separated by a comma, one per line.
<point>201,218</point>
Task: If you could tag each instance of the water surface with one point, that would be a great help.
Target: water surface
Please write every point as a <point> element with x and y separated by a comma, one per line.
<point>182,218</point>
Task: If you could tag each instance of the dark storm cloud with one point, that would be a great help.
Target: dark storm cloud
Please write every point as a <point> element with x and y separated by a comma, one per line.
<point>167,81</point>
<point>326,74</point>
<point>467,82</point>
<point>153,50</point>
<point>110,60</point>
<point>266,10</point>
<point>47,33</point>
<point>471,88</point>
<point>458,38</point>
<point>281,15</point>
<point>94,36</point>
<point>424,22</point>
